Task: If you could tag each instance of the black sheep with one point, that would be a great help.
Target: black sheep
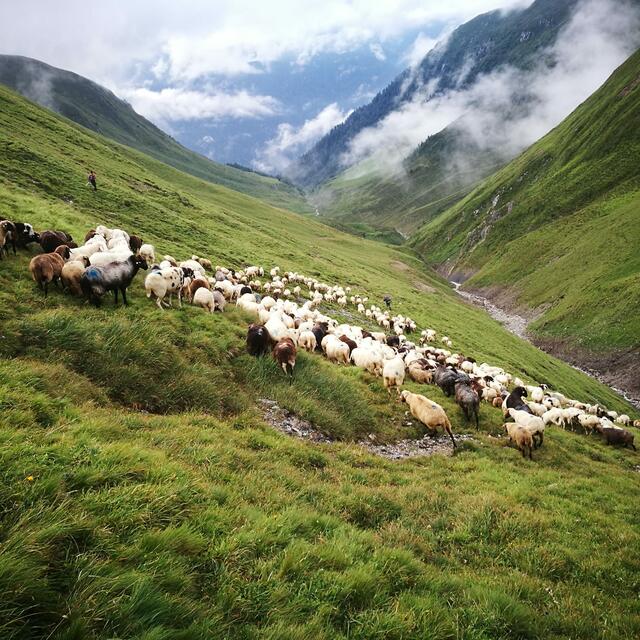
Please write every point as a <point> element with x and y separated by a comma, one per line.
<point>446,379</point>
<point>320,330</point>
<point>50,240</point>
<point>259,341</point>
<point>515,401</point>
<point>468,400</point>
<point>25,234</point>
<point>613,435</point>
<point>115,276</point>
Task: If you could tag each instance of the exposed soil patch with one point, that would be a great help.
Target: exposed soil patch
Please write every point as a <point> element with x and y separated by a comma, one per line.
<point>290,424</point>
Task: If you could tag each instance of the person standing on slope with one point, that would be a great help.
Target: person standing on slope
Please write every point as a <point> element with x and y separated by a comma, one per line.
<point>92,179</point>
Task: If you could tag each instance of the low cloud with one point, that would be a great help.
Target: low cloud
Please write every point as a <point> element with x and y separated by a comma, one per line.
<point>291,141</point>
<point>509,109</point>
<point>175,105</point>
<point>419,49</point>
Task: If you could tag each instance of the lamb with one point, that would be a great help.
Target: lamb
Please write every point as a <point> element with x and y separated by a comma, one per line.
<point>393,373</point>
<point>206,264</point>
<point>468,400</point>
<point>521,437</point>
<point>624,419</point>
<point>46,268</point>
<point>419,372</point>
<point>284,353</point>
<point>117,276</point>
<point>192,286</point>
<point>259,341</point>
<point>588,422</point>
<point>534,424</point>
<point>71,275</point>
<point>148,252</point>
<point>430,413</point>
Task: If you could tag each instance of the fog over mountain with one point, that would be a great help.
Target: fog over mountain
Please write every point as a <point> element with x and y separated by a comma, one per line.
<point>237,81</point>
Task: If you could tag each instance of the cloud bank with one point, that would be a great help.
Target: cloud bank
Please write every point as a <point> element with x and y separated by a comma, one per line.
<point>509,109</point>
<point>291,141</point>
<point>169,105</point>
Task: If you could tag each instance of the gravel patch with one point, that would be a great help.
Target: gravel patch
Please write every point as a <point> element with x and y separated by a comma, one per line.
<point>291,425</point>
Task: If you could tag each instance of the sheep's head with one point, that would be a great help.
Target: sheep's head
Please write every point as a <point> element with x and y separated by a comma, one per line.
<point>141,263</point>
<point>403,396</point>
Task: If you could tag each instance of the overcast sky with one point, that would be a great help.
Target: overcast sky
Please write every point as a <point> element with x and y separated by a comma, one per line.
<point>171,59</point>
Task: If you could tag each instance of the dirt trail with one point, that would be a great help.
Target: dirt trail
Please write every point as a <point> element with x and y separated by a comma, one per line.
<point>291,425</point>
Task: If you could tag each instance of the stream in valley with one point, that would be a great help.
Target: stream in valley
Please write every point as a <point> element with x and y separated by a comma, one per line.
<point>518,325</point>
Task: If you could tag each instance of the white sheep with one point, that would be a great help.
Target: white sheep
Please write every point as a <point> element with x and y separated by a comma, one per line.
<point>393,373</point>
<point>147,252</point>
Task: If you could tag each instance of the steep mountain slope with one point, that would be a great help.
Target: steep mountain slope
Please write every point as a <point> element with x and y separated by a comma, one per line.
<point>143,495</point>
<point>364,200</point>
<point>96,108</point>
<point>475,48</point>
<point>557,230</point>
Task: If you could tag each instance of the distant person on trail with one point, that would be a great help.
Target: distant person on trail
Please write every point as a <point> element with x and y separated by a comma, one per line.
<point>92,179</point>
<point>387,301</point>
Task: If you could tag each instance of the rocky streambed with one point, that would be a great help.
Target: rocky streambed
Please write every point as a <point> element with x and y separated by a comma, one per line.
<point>517,325</point>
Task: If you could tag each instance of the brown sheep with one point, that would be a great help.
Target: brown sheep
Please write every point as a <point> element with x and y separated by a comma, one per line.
<point>71,275</point>
<point>352,344</point>
<point>7,235</point>
<point>49,240</point>
<point>46,268</point>
<point>418,373</point>
<point>135,242</point>
<point>194,285</point>
<point>521,437</point>
<point>614,435</point>
<point>430,413</point>
<point>284,353</point>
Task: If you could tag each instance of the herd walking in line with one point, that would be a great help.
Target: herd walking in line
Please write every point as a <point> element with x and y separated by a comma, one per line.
<point>285,309</point>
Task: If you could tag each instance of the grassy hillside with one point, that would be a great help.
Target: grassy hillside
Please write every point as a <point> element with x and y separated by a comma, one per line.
<point>143,495</point>
<point>96,108</point>
<point>558,228</point>
<point>367,200</point>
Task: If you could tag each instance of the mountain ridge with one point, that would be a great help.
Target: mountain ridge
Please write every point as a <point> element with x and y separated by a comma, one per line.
<point>95,107</point>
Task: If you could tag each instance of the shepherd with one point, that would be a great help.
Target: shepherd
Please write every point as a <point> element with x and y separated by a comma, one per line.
<point>387,301</point>
<point>92,179</point>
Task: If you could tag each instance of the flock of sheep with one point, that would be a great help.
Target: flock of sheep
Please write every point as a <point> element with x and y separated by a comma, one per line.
<point>286,314</point>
